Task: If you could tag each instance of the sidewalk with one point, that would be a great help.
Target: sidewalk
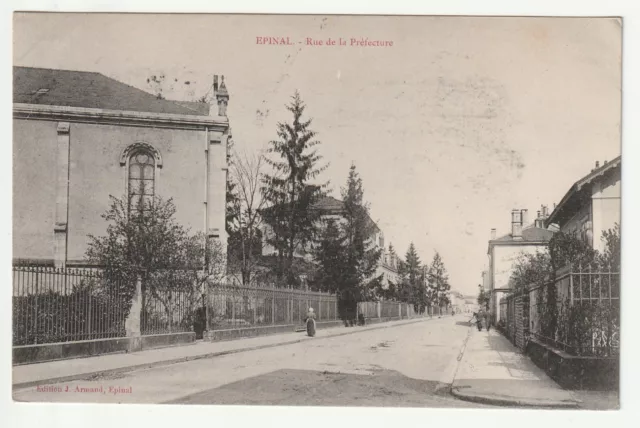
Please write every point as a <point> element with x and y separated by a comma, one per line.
<point>26,376</point>
<point>493,371</point>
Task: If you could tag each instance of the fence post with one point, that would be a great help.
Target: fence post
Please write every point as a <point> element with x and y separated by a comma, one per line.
<point>132,324</point>
<point>207,299</point>
<point>254,307</point>
<point>273,307</point>
<point>89,312</point>
<point>288,319</point>
<point>35,336</point>
<point>233,309</point>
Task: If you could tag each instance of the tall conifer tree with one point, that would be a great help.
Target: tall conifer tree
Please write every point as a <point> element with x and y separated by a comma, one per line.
<point>290,191</point>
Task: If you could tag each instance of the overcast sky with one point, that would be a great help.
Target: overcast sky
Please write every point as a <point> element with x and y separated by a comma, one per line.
<point>460,121</point>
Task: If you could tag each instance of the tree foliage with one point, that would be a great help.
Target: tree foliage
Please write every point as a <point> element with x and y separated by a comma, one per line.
<point>144,242</point>
<point>483,299</point>
<point>346,254</point>
<point>412,288</point>
<point>245,203</point>
<point>438,282</point>
<point>330,257</point>
<point>531,270</point>
<point>565,249</point>
<point>611,257</point>
<point>362,255</point>
<point>289,189</point>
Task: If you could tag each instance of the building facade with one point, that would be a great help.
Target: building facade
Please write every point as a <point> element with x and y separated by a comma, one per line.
<point>505,250</point>
<point>80,137</point>
<point>592,205</point>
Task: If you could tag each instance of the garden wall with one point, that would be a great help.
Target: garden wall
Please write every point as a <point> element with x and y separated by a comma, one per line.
<point>29,354</point>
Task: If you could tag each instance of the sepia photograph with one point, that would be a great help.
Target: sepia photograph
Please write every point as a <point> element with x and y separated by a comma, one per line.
<point>317,210</point>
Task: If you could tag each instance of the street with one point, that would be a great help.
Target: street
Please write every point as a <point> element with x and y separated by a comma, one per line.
<point>409,365</point>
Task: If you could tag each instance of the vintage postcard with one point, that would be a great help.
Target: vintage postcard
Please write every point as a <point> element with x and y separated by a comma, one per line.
<point>317,210</point>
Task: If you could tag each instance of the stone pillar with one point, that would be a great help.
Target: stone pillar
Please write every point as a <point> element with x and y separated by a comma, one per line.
<point>62,195</point>
<point>217,186</point>
<point>378,310</point>
<point>132,323</point>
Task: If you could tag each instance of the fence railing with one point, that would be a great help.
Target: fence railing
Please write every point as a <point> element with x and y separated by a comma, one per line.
<point>61,305</point>
<point>578,313</point>
<point>238,306</point>
<point>64,304</point>
<point>169,312</point>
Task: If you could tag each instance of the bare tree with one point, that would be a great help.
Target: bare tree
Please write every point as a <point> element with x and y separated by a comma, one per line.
<point>246,237</point>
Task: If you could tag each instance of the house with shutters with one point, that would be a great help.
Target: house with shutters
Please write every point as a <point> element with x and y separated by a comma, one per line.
<point>79,137</point>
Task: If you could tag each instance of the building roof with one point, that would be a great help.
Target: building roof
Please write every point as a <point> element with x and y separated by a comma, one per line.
<point>572,199</point>
<point>530,235</point>
<point>331,205</point>
<point>91,90</point>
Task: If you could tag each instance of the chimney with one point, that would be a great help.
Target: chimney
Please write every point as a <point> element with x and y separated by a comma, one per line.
<point>605,162</point>
<point>221,94</point>
<point>493,234</point>
<point>597,164</point>
<point>545,211</point>
<point>525,217</point>
<point>516,224</point>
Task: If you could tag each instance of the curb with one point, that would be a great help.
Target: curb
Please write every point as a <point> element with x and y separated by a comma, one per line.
<point>446,381</point>
<point>120,370</point>
<point>505,401</point>
<point>513,402</point>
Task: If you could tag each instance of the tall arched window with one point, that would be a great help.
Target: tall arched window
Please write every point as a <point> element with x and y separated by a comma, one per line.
<point>141,179</point>
<point>141,164</point>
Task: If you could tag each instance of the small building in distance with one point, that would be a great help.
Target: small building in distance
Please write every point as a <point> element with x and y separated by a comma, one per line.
<point>503,251</point>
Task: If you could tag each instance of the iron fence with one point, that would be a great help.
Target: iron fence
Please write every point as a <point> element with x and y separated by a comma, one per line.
<point>368,309</point>
<point>389,309</point>
<point>579,312</point>
<point>232,306</point>
<point>169,312</point>
<point>60,305</point>
<point>73,304</point>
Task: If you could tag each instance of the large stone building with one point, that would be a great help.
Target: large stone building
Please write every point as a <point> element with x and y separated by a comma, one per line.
<point>592,205</point>
<point>79,137</point>
<point>505,250</point>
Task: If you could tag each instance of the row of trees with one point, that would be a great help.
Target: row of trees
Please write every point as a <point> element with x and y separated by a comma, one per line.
<point>284,199</point>
<point>276,191</point>
<point>422,285</point>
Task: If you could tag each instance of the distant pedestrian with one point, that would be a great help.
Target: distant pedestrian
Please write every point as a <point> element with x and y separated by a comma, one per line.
<point>487,320</point>
<point>310,314</point>
<point>311,323</point>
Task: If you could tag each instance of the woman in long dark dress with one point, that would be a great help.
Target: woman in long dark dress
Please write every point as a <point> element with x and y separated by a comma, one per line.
<point>311,323</point>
